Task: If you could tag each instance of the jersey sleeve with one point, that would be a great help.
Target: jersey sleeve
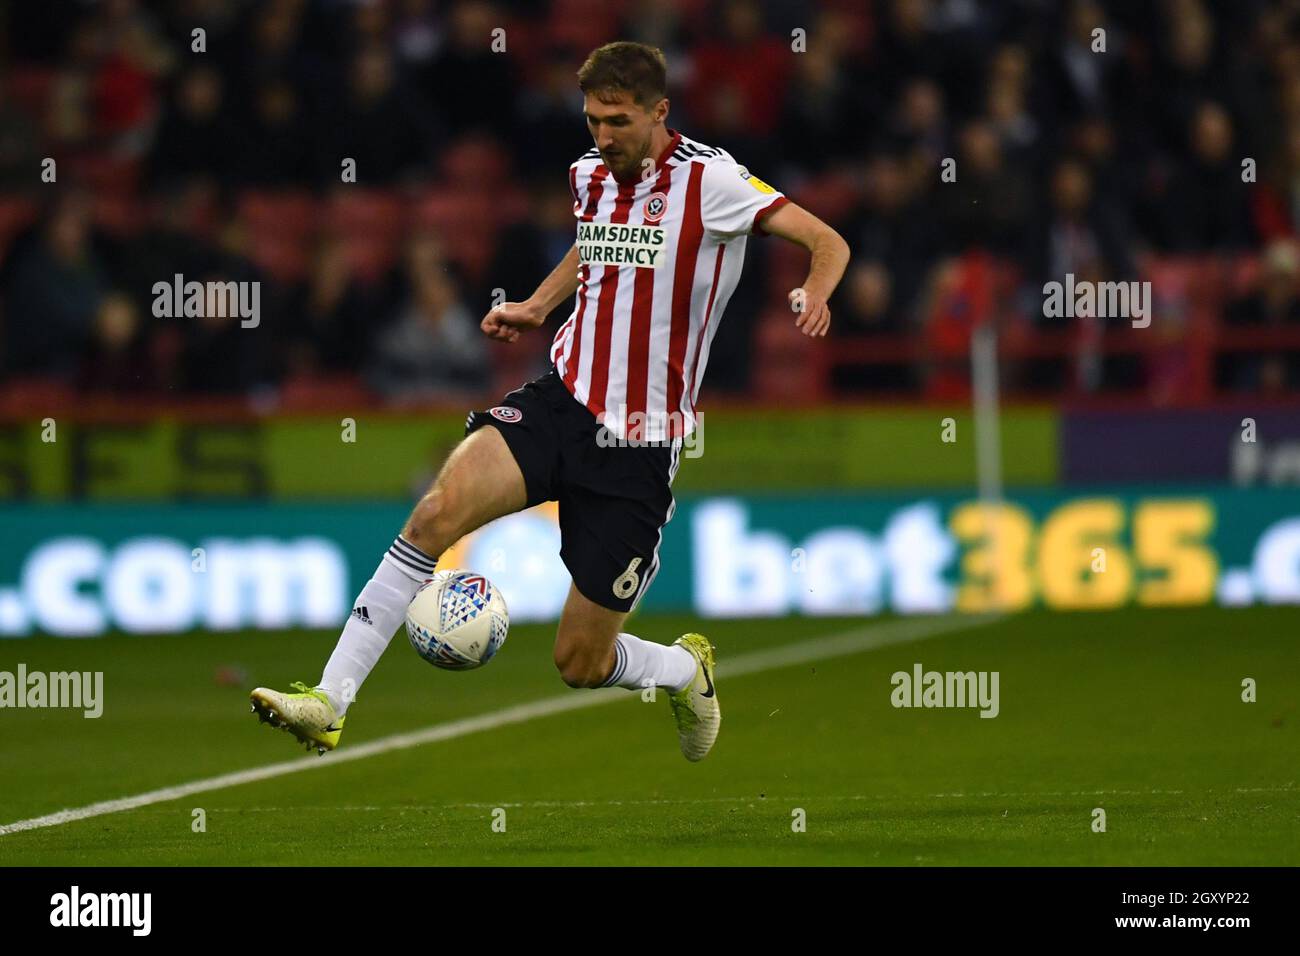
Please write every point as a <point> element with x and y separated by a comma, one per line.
<point>732,200</point>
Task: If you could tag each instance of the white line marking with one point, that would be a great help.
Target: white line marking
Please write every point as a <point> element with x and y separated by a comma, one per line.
<point>750,799</point>
<point>836,645</point>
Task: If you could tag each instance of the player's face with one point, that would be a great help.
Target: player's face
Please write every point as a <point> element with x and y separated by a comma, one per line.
<point>622,130</point>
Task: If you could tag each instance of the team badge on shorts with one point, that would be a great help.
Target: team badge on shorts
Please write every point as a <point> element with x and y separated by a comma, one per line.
<point>506,413</point>
<point>656,205</point>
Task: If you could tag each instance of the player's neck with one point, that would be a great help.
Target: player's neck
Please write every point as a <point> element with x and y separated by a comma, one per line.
<point>660,139</point>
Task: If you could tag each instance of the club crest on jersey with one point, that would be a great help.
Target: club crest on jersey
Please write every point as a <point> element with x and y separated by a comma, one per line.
<point>506,413</point>
<point>656,205</point>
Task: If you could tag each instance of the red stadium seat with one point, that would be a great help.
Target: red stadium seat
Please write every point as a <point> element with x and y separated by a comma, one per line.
<point>284,260</point>
<point>1243,276</point>
<point>371,224</point>
<point>370,258</point>
<point>284,214</point>
<point>305,393</point>
<point>29,88</point>
<point>475,164</point>
<point>788,365</point>
<point>16,214</point>
<point>107,174</point>
<point>583,24</point>
<point>520,361</point>
<point>468,222</point>
<point>371,212</point>
<point>787,266</point>
<point>828,197</point>
<point>35,398</point>
<point>120,214</point>
<point>280,230</point>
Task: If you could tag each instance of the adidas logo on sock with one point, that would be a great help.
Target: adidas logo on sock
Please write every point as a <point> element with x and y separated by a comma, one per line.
<point>362,614</point>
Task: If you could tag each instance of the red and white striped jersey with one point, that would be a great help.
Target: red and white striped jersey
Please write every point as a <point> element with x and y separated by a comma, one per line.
<point>660,259</point>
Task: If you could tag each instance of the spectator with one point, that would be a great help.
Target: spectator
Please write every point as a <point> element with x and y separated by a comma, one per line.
<point>54,293</point>
<point>468,63</point>
<point>919,125</point>
<point>20,158</point>
<point>908,45</point>
<point>434,349</point>
<point>529,249</point>
<point>220,356</point>
<point>551,119</point>
<point>337,313</point>
<point>375,126</point>
<point>1275,304</point>
<point>117,361</point>
<point>822,119</point>
<point>1079,235</point>
<point>417,38</point>
<point>134,58</point>
<point>893,228</point>
<point>868,305</point>
<point>277,145</point>
<point>738,80</point>
<point>1206,207</point>
<point>195,138</point>
<point>988,206</point>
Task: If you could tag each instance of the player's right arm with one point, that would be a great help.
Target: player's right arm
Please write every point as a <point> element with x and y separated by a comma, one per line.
<point>505,321</point>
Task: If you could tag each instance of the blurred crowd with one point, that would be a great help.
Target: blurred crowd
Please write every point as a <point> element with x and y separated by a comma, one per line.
<point>1099,138</point>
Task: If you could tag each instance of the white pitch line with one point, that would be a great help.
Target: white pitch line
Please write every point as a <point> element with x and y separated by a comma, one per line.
<point>748,798</point>
<point>836,645</point>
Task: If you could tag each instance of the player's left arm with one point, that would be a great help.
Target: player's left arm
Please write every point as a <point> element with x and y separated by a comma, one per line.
<point>830,257</point>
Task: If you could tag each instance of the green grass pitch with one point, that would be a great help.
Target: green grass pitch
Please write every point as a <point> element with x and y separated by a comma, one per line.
<point>1135,712</point>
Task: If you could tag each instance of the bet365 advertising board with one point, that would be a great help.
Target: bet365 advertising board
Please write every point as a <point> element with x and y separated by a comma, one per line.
<point>81,570</point>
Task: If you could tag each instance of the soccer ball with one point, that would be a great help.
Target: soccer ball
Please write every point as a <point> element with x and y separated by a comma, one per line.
<point>457,620</point>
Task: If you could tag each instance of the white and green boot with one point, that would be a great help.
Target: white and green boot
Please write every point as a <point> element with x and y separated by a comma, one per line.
<point>695,706</point>
<point>308,715</point>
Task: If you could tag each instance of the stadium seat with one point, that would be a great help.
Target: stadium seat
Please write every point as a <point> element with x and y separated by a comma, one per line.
<point>16,214</point>
<point>475,164</point>
<point>35,398</point>
<point>371,225</point>
<point>120,214</point>
<point>469,223</point>
<point>29,89</point>
<point>280,230</point>
<point>583,24</point>
<point>305,393</point>
<point>1243,274</point>
<point>788,365</point>
<point>787,266</point>
<point>828,197</point>
<point>281,213</point>
<point>107,174</point>
<point>373,212</point>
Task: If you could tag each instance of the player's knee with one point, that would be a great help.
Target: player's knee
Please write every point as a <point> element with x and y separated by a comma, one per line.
<point>433,523</point>
<point>579,667</point>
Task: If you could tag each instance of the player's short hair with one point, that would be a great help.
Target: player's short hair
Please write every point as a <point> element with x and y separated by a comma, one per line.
<point>624,66</point>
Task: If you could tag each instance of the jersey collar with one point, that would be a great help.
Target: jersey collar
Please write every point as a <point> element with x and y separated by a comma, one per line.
<point>670,148</point>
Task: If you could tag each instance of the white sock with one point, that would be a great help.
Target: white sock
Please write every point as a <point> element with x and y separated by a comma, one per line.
<point>378,612</point>
<point>639,664</point>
